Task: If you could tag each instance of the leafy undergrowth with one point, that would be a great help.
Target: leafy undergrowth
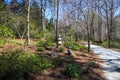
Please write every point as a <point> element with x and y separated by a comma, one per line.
<point>41,66</point>
<point>2,42</point>
<point>114,44</point>
<point>73,70</point>
<point>42,44</point>
<point>75,46</point>
<point>68,67</point>
<point>21,41</point>
<point>15,65</point>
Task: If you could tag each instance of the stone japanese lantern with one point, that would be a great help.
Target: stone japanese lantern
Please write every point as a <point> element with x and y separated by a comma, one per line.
<point>59,40</point>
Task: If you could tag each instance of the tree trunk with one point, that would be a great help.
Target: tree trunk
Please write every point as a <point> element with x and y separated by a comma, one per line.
<point>108,27</point>
<point>99,23</point>
<point>111,20</point>
<point>88,30</point>
<point>76,37</point>
<point>43,17</point>
<point>28,24</point>
<point>88,36</point>
<point>57,23</point>
<point>92,24</point>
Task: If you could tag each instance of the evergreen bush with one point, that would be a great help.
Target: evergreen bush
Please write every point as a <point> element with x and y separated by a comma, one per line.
<point>73,70</point>
<point>15,64</point>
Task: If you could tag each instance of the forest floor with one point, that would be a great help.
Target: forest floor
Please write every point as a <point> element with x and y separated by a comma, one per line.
<point>81,57</point>
<point>115,49</point>
<point>111,61</point>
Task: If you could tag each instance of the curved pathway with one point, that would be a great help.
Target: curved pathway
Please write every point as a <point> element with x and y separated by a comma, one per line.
<point>111,59</point>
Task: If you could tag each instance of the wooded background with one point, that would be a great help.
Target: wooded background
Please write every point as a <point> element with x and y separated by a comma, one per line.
<point>92,20</point>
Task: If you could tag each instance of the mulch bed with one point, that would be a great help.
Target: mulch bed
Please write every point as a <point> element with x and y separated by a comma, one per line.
<point>57,73</point>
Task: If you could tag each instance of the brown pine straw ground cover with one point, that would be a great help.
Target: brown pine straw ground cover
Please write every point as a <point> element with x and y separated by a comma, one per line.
<point>56,73</point>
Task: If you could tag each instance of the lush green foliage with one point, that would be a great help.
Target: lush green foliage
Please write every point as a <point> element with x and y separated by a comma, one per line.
<point>44,43</point>
<point>75,46</point>
<point>114,44</point>
<point>70,44</point>
<point>41,43</point>
<point>58,62</point>
<point>14,16</point>
<point>91,64</point>
<point>47,43</point>
<point>73,70</point>
<point>61,49</point>
<point>5,32</point>
<point>104,44</point>
<point>2,42</point>
<point>14,65</point>
<point>62,61</point>
<point>41,48</point>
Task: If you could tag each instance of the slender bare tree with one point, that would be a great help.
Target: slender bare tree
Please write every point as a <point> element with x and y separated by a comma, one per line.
<point>28,24</point>
<point>43,8</point>
<point>57,23</point>
<point>99,21</point>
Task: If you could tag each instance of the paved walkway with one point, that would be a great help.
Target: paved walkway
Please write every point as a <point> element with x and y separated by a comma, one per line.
<point>111,59</point>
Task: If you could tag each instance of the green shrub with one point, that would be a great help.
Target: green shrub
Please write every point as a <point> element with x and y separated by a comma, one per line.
<point>2,42</point>
<point>73,70</point>
<point>104,44</point>
<point>41,43</point>
<point>61,49</point>
<point>37,35</point>
<point>45,43</point>
<point>41,48</point>
<point>75,46</point>
<point>69,43</point>
<point>83,47</point>
<point>9,66</point>
<point>58,61</point>
<point>14,65</point>
<point>62,61</point>
<point>79,47</point>
<point>91,64</point>
<point>5,32</point>
<point>51,38</point>
<point>35,62</point>
<point>115,44</point>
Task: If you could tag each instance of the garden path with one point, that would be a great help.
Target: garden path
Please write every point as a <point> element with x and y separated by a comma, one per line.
<point>111,62</point>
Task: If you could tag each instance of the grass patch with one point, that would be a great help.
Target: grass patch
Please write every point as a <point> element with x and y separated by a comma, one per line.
<point>21,42</point>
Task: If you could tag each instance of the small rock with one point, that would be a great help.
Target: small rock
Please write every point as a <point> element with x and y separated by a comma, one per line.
<point>55,54</point>
<point>49,48</point>
<point>69,52</point>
